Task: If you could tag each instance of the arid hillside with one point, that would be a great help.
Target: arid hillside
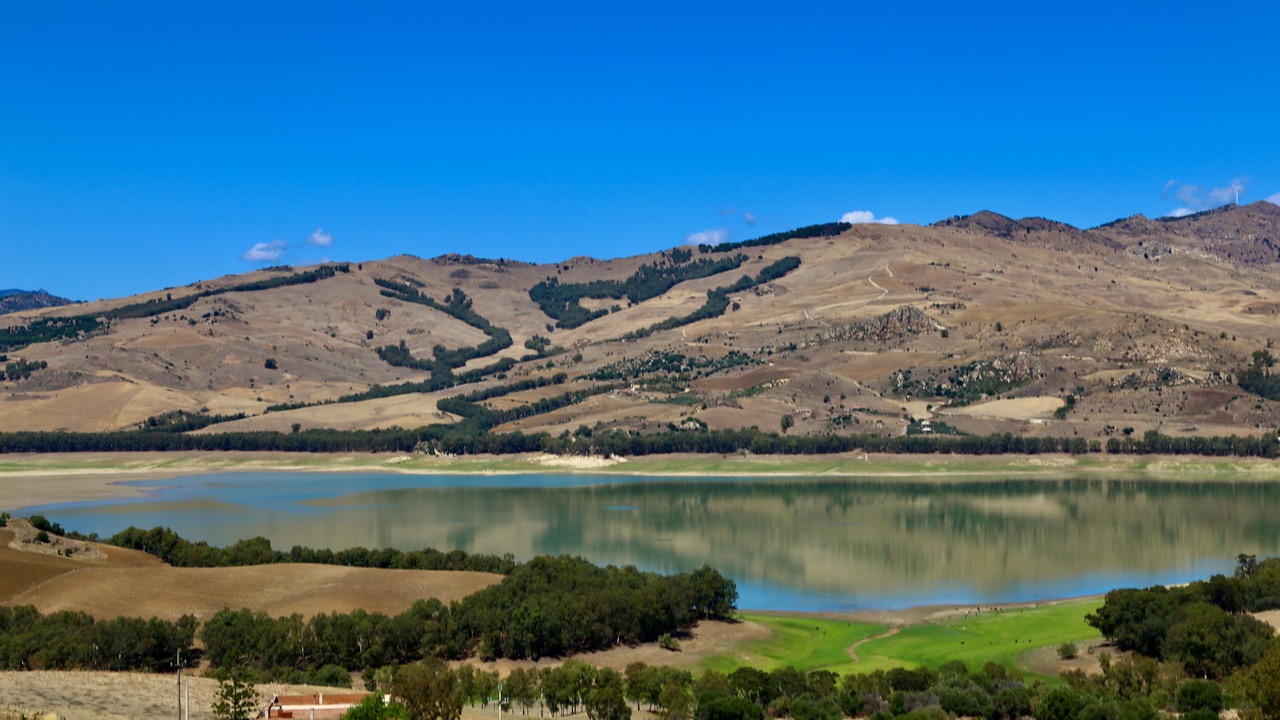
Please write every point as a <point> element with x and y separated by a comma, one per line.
<point>979,324</point>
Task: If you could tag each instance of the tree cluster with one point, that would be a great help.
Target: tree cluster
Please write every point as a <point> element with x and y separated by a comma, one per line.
<point>177,551</point>
<point>438,381</point>
<point>1258,378</point>
<point>1204,626</point>
<point>718,298</point>
<point>482,418</point>
<point>1265,445</point>
<point>458,306</point>
<point>169,304</point>
<point>76,641</point>
<point>809,231</point>
<point>561,301</point>
<point>548,607</point>
<point>179,421</point>
<point>677,365</point>
<point>48,330</point>
<point>21,369</point>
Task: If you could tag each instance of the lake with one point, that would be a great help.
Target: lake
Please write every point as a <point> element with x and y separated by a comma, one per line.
<point>793,544</point>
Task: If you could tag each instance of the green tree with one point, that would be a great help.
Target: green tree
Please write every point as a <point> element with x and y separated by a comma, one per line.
<point>607,703</point>
<point>429,690</point>
<point>521,688</point>
<point>237,697</point>
<point>1259,686</point>
<point>1200,695</point>
<point>373,707</point>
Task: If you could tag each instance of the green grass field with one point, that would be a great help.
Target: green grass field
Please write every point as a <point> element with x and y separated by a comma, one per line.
<point>799,642</point>
<point>997,636</point>
<point>812,644</point>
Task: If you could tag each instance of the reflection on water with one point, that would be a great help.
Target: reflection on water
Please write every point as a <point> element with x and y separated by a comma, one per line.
<point>797,544</point>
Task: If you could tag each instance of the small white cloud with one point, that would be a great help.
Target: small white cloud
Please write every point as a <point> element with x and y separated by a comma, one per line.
<point>320,238</point>
<point>1195,198</point>
<point>1181,212</point>
<point>714,236</point>
<point>749,217</point>
<point>860,217</point>
<point>1274,199</point>
<point>265,252</point>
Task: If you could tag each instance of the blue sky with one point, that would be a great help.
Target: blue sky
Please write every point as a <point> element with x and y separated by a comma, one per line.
<point>145,145</point>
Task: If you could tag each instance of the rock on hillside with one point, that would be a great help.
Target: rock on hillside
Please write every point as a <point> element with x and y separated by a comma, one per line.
<point>1248,234</point>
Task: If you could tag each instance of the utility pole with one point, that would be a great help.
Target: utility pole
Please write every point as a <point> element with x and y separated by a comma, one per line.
<point>179,664</point>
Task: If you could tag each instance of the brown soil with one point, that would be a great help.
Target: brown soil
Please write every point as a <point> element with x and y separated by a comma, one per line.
<point>706,638</point>
<point>119,582</point>
<point>89,695</point>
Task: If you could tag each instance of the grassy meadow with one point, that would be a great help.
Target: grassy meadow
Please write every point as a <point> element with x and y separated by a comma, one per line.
<point>823,644</point>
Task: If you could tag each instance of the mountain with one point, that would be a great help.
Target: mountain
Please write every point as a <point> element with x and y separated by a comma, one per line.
<point>15,300</point>
<point>980,324</point>
<point>1245,234</point>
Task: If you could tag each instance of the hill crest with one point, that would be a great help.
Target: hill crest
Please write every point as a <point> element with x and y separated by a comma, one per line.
<point>829,329</point>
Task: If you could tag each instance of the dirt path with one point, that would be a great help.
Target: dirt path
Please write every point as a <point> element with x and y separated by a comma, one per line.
<point>853,649</point>
<point>883,291</point>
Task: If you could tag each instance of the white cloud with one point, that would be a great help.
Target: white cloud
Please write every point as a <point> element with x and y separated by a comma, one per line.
<point>859,217</point>
<point>1193,198</point>
<point>714,236</point>
<point>1274,199</point>
<point>749,217</point>
<point>320,238</point>
<point>265,252</point>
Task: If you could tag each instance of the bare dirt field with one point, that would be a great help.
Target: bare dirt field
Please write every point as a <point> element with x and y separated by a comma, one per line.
<point>91,695</point>
<point>127,583</point>
<point>1013,408</point>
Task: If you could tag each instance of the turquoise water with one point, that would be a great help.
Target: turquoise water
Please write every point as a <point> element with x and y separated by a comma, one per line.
<point>789,544</point>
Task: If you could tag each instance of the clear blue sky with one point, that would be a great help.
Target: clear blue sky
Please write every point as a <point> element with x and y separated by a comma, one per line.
<point>153,144</point>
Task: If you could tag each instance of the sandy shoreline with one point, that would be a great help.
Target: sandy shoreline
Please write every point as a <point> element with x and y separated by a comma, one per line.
<point>32,480</point>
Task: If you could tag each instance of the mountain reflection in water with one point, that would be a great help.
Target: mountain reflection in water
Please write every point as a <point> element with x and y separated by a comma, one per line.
<point>805,544</point>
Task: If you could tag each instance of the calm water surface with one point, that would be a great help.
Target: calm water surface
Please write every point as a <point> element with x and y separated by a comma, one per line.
<point>789,544</point>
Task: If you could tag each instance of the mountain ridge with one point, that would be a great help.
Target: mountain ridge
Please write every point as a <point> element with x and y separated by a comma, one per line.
<point>982,323</point>
<point>14,300</point>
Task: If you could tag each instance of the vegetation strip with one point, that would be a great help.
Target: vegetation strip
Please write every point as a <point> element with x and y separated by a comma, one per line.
<point>651,280</point>
<point>718,299</point>
<point>78,326</point>
<point>465,439</point>
<point>458,306</point>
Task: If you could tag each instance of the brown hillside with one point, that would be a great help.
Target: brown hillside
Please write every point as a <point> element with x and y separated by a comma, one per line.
<point>111,582</point>
<point>1142,321</point>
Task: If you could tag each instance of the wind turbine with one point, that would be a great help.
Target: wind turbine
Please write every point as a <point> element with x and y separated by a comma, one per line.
<point>1237,187</point>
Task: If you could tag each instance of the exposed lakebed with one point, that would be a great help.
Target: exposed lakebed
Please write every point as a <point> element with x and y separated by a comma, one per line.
<point>791,544</point>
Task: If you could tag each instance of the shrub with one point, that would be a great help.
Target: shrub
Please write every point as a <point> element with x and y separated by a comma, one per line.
<point>42,537</point>
<point>41,522</point>
<point>1199,695</point>
<point>1068,651</point>
<point>270,364</point>
<point>331,676</point>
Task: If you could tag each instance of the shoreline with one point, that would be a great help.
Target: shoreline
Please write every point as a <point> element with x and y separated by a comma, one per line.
<point>32,480</point>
